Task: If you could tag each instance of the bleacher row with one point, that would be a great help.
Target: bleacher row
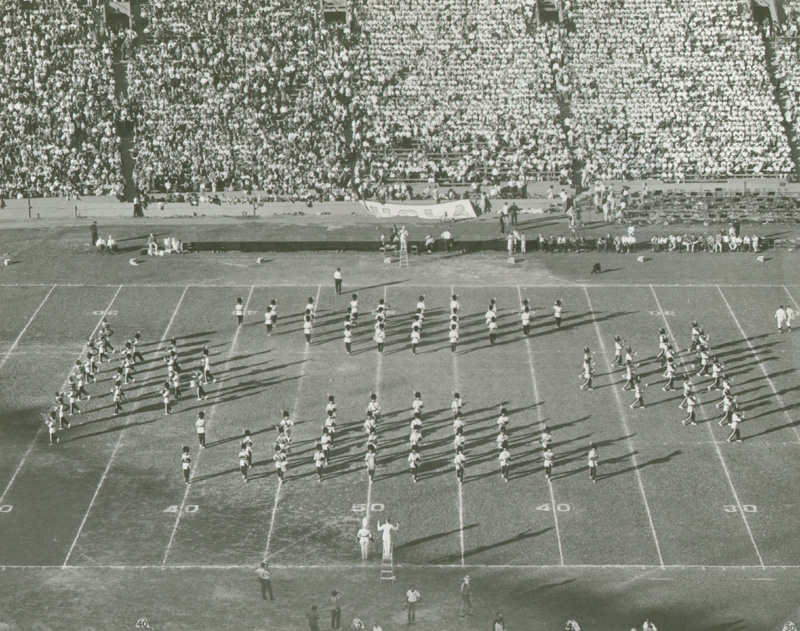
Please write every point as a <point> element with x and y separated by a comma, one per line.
<point>224,94</point>
<point>677,206</point>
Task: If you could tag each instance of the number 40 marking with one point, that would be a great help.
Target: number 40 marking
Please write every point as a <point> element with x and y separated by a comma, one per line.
<point>561,508</point>
<point>747,508</point>
<point>191,508</point>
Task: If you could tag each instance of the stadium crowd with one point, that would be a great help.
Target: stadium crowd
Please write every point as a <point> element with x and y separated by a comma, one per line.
<point>672,90</point>
<point>57,106</point>
<point>241,95</point>
<point>460,92</point>
<point>271,97</point>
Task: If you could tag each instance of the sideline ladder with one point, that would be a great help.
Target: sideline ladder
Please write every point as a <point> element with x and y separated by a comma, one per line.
<point>403,253</point>
<point>387,567</point>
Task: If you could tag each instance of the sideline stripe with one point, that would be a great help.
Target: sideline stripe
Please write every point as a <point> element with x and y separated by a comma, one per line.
<point>577,285</point>
<point>415,566</point>
<point>117,445</point>
<point>621,406</point>
<point>306,353</point>
<point>64,385</point>
<point>200,451</point>
<point>22,332</point>
<point>715,442</point>
<point>541,422</point>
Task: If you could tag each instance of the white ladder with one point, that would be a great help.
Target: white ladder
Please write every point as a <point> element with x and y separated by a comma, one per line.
<point>403,253</point>
<point>387,567</point>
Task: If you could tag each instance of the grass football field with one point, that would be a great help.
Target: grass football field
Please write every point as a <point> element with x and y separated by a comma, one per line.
<point>100,531</point>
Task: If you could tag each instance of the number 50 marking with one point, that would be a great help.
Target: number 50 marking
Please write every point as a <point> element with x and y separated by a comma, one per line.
<point>361,508</point>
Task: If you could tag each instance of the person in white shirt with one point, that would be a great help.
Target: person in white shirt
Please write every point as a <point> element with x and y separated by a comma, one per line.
<point>386,531</point>
<point>791,314</point>
<point>239,311</point>
<point>780,316</point>
<point>364,537</point>
<point>447,237</point>
<point>337,280</point>
<point>412,598</point>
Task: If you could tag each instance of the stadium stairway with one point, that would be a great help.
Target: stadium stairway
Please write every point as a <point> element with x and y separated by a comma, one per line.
<point>125,132</point>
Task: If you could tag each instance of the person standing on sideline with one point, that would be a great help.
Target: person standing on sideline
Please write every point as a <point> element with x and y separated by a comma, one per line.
<point>95,235</point>
<point>200,424</point>
<point>780,316</point>
<point>239,311</point>
<point>412,598</point>
<point>466,597</point>
<point>265,582</point>
<point>386,528</point>
<point>313,618</point>
<point>499,624</point>
<point>336,610</point>
<point>364,537</point>
<point>337,280</point>
<point>558,311</point>
<point>791,314</point>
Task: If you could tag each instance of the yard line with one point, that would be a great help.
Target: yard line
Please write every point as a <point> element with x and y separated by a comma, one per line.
<point>627,429</point>
<point>716,444</point>
<point>431,285</point>
<point>760,363</point>
<point>200,451</point>
<point>378,375</point>
<point>354,566</point>
<point>460,492</point>
<point>541,420</point>
<point>22,332</point>
<point>306,352</point>
<point>64,385</point>
<point>791,297</point>
<point>116,446</point>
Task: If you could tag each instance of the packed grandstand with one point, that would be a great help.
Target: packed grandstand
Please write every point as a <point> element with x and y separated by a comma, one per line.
<point>271,96</point>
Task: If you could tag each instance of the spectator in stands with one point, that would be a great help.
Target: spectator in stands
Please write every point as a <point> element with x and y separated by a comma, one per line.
<point>57,105</point>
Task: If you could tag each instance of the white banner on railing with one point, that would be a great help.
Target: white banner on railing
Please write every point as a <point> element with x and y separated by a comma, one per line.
<point>460,209</point>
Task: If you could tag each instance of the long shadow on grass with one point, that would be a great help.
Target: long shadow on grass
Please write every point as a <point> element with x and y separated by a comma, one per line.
<point>526,534</point>
<point>640,466</point>
<point>429,538</point>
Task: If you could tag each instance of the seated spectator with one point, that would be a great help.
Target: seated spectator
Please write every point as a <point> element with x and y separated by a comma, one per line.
<point>100,244</point>
<point>152,245</point>
<point>111,244</point>
<point>429,243</point>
